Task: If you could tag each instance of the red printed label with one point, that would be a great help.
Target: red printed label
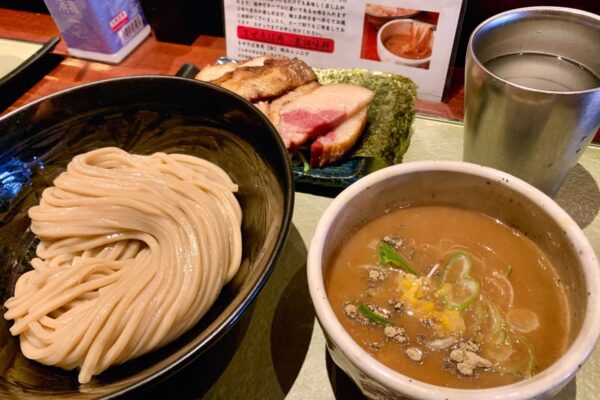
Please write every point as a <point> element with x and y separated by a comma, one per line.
<point>324,45</point>
<point>117,22</point>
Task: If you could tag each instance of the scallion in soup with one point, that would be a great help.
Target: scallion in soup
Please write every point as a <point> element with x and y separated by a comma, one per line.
<point>450,297</point>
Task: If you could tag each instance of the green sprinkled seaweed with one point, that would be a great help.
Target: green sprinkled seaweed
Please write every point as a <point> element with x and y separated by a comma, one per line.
<point>389,117</point>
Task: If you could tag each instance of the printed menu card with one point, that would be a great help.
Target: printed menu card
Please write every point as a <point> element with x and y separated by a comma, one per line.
<point>407,37</point>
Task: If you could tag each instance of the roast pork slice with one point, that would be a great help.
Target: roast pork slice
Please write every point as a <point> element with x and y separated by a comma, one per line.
<point>319,112</point>
<point>214,72</point>
<point>332,146</point>
<point>276,104</point>
<point>264,107</point>
<point>273,79</point>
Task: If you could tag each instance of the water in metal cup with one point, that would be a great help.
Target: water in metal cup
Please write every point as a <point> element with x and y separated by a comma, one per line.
<point>532,92</point>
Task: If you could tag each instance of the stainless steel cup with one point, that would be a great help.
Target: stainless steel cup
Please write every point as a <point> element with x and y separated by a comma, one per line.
<point>532,92</point>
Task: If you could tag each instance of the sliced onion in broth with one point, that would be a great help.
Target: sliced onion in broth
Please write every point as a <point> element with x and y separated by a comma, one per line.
<point>523,320</point>
<point>503,288</point>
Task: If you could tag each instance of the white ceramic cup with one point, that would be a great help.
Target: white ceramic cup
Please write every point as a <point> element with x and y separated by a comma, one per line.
<point>395,27</point>
<point>479,188</point>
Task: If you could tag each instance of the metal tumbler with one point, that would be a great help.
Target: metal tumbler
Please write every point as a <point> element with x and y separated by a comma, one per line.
<point>532,92</point>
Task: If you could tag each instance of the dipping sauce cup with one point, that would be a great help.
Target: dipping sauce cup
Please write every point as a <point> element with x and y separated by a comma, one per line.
<point>532,92</point>
<point>478,189</point>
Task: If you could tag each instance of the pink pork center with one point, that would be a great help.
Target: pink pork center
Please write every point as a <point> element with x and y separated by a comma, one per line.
<point>314,123</point>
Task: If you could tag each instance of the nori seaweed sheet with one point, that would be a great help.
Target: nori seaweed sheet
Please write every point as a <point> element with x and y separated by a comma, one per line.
<point>390,114</point>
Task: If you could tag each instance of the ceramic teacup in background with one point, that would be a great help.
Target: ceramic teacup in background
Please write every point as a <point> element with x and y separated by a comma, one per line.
<point>532,92</point>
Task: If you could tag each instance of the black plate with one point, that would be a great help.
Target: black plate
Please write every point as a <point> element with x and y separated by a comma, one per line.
<point>20,55</point>
<point>142,115</point>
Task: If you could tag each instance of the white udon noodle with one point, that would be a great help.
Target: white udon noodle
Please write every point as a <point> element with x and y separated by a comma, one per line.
<point>133,251</point>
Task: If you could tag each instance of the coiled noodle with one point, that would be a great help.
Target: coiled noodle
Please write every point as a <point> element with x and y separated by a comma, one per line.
<point>133,251</point>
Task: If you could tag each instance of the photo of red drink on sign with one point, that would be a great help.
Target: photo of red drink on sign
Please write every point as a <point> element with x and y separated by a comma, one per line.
<point>398,35</point>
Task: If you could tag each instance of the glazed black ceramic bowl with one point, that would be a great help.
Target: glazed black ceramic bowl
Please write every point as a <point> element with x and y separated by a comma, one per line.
<point>141,115</point>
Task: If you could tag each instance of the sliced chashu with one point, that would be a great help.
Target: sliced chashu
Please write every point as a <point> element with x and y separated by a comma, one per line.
<point>274,78</point>
<point>275,107</point>
<point>214,72</point>
<point>319,112</point>
<point>264,107</point>
<point>332,146</point>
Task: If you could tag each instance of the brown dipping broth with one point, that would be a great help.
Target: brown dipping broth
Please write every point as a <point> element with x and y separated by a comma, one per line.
<point>403,45</point>
<point>500,254</point>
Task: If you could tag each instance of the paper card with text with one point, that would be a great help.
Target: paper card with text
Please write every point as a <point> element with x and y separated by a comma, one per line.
<point>414,38</point>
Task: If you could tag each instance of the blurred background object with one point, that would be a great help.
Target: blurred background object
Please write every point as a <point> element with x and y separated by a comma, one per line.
<point>25,5</point>
<point>176,21</point>
<point>181,21</point>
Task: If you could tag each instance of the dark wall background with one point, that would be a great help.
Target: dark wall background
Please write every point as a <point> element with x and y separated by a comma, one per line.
<point>191,17</point>
<point>479,10</point>
<point>27,5</point>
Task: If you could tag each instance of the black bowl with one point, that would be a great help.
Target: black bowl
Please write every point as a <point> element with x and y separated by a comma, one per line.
<point>141,115</point>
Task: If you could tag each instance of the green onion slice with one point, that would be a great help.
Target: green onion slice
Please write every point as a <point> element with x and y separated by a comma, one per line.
<point>367,312</point>
<point>465,289</point>
<point>389,256</point>
<point>509,271</point>
<point>522,363</point>
<point>305,163</point>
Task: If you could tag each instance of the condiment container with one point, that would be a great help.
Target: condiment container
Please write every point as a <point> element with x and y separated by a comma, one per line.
<point>104,31</point>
